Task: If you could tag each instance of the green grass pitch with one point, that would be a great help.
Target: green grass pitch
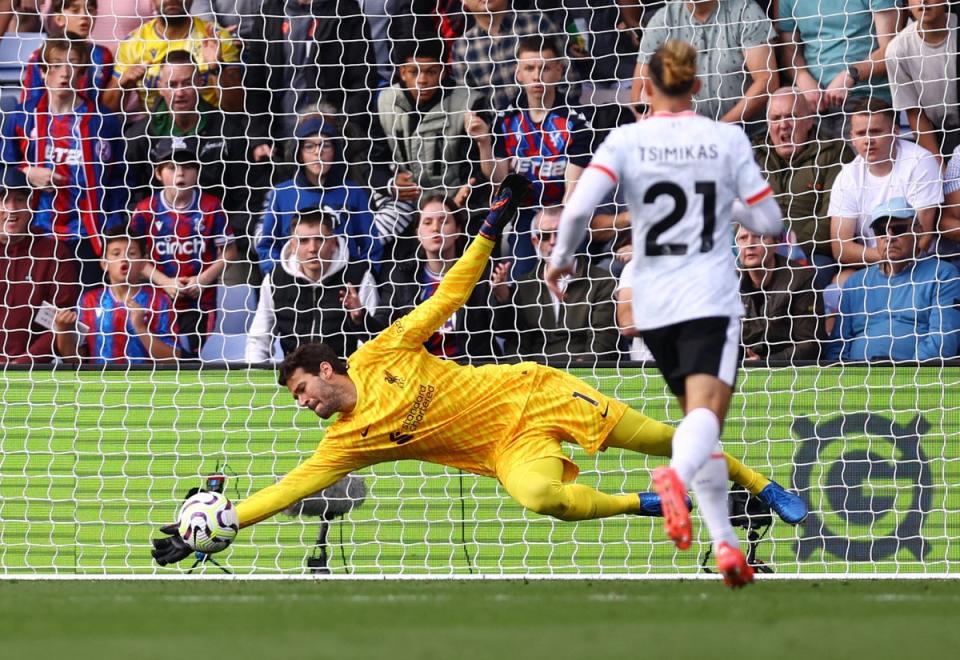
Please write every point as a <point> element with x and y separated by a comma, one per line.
<point>91,463</point>
<point>599,620</point>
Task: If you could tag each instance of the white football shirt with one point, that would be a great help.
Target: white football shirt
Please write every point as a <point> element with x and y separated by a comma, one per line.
<point>680,174</point>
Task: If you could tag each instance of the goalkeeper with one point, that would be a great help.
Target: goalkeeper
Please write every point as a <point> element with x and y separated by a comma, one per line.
<point>397,402</point>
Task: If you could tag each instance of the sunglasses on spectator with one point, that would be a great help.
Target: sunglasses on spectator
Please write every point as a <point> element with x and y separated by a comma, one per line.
<point>894,229</point>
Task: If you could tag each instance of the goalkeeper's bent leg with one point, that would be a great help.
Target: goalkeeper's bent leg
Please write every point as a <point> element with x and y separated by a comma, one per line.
<point>640,433</point>
<point>538,486</point>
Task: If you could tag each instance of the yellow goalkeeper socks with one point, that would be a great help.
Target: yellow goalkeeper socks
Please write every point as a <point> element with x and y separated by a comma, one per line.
<point>640,433</point>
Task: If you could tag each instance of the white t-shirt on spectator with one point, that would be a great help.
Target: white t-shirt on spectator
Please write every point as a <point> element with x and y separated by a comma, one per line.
<point>856,192</point>
<point>638,350</point>
<point>924,76</point>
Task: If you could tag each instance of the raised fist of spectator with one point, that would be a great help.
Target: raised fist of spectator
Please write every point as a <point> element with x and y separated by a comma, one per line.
<point>132,76</point>
<point>475,126</point>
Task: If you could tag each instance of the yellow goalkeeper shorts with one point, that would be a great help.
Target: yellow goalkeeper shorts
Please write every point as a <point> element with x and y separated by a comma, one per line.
<point>562,408</point>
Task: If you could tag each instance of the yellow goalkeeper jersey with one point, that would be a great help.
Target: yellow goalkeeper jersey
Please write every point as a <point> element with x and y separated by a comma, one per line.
<point>414,405</point>
<point>147,47</point>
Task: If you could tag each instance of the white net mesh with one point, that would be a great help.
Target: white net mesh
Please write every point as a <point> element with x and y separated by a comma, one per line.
<point>159,156</point>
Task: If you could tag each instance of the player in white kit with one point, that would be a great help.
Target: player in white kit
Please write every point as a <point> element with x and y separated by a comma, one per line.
<point>680,174</point>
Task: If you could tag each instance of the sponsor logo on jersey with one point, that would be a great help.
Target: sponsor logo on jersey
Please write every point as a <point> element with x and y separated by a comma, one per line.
<point>419,408</point>
<point>547,169</point>
<point>171,246</point>
<point>400,438</point>
<point>63,155</point>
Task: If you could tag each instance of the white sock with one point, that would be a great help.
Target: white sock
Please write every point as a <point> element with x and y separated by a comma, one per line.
<point>710,487</point>
<point>694,439</point>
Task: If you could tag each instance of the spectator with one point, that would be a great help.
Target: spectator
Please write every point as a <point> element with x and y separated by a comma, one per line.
<point>187,239</point>
<point>140,55</point>
<point>922,61</point>
<point>948,244</point>
<point>539,136</point>
<point>72,154</point>
<point>26,17</point>
<point>835,47</point>
<point>225,147</point>
<point>118,18</point>
<point>316,293</point>
<point>441,233</point>
<point>782,307</point>
<point>536,325</point>
<point>258,25</point>
<point>329,53</point>
<point>34,271</point>
<point>127,321</point>
<point>71,20</point>
<point>419,145</point>
<point>885,167</point>
<point>6,15</point>
<point>735,58</point>
<point>483,58</point>
<point>623,294</point>
<point>319,182</point>
<point>801,166</point>
<point>901,307</point>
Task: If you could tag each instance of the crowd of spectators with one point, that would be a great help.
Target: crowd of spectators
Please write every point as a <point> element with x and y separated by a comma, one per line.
<point>333,157</point>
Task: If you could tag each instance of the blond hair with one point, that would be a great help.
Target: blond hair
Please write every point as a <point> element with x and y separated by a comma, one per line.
<point>673,67</point>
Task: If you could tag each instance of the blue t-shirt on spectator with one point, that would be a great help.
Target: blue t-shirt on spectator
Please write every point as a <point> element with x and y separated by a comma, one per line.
<point>835,34</point>
<point>913,315</point>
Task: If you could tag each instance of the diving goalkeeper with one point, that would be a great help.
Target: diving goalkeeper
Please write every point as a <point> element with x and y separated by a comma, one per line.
<point>396,401</point>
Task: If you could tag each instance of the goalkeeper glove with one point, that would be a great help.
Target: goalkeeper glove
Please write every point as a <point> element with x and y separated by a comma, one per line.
<point>173,548</point>
<point>511,193</point>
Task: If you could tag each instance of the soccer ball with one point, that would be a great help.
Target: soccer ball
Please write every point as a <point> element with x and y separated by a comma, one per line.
<point>208,522</point>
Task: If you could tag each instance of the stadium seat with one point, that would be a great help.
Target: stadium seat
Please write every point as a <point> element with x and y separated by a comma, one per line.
<point>237,304</point>
<point>224,348</point>
<point>15,51</point>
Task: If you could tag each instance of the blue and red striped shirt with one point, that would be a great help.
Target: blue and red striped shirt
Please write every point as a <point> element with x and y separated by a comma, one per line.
<point>112,338</point>
<point>541,151</point>
<point>91,83</point>
<point>184,242</point>
<point>84,147</point>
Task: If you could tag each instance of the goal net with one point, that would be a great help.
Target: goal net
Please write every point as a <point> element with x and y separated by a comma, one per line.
<point>352,123</point>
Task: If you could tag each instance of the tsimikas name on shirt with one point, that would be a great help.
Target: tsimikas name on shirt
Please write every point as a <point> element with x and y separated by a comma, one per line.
<point>681,153</point>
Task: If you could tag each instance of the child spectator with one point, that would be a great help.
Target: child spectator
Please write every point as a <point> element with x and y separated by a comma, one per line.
<point>539,136</point>
<point>71,20</point>
<point>71,154</point>
<point>127,321</point>
<point>319,182</point>
<point>186,234</point>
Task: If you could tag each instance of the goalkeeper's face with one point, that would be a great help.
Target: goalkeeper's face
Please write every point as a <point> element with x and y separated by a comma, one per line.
<point>323,393</point>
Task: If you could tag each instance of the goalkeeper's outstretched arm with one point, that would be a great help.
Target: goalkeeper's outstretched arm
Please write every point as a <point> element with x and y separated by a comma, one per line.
<point>457,285</point>
<point>314,474</point>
